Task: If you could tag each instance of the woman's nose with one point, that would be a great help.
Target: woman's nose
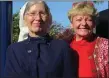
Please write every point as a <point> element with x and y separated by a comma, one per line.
<point>84,22</point>
<point>37,16</point>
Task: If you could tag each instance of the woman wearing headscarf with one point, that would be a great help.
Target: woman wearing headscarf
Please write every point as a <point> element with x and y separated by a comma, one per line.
<point>37,55</point>
<point>92,49</point>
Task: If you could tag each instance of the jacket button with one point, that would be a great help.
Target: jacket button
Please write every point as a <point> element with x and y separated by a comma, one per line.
<point>29,51</point>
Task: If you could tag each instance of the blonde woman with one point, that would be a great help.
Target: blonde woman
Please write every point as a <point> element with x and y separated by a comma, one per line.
<point>92,49</point>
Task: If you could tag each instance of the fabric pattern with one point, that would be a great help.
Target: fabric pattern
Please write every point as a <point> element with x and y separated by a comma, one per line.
<point>101,57</point>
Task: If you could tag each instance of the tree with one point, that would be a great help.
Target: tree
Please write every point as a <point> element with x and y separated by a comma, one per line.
<point>98,2</point>
<point>15,26</point>
<point>54,28</point>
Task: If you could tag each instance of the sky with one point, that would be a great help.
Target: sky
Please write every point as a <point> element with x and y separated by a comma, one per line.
<point>59,10</point>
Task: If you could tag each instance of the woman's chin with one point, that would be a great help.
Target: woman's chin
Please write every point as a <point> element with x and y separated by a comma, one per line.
<point>37,30</point>
<point>83,34</point>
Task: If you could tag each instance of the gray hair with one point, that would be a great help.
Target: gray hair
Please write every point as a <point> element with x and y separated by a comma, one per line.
<point>23,28</point>
<point>33,2</point>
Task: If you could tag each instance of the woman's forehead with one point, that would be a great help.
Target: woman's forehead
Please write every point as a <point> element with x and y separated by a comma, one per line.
<point>37,7</point>
<point>82,15</point>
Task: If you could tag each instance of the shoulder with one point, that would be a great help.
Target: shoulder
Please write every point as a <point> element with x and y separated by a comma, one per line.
<point>60,46</point>
<point>17,45</point>
<point>102,45</point>
<point>15,50</point>
<point>59,43</point>
<point>102,41</point>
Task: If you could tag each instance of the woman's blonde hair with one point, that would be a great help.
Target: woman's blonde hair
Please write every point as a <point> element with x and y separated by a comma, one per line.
<point>82,8</point>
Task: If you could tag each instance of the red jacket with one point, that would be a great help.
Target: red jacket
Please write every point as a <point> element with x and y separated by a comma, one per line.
<point>101,57</point>
<point>99,63</point>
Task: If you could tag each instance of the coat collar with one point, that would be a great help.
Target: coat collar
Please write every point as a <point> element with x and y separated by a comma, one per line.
<point>42,39</point>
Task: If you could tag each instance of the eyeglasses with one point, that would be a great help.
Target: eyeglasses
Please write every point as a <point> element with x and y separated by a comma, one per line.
<point>33,14</point>
<point>84,2</point>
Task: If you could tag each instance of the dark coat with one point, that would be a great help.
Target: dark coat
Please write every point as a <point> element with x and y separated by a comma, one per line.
<point>40,58</point>
<point>102,28</point>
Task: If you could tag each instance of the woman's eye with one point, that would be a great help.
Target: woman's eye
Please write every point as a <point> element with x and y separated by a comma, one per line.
<point>32,13</point>
<point>43,13</point>
<point>89,19</point>
<point>78,20</point>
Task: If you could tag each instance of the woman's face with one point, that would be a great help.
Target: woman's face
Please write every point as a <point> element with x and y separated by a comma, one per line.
<point>37,19</point>
<point>83,25</point>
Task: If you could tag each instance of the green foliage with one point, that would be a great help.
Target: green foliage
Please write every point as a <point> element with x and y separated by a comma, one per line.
<point>54,28</point>
<point>98,2</point>
<point>15,27</point>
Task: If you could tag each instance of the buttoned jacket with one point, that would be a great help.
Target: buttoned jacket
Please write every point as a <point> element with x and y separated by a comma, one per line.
<point>41,58</point>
